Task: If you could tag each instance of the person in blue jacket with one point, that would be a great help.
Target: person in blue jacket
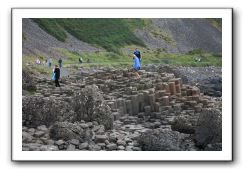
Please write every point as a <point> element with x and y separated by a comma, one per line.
<point>138,54</point>
<point>56,71</point>
<point>136,66</point>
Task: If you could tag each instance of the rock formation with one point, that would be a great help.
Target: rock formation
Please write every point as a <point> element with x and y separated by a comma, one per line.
<point>108,109</point>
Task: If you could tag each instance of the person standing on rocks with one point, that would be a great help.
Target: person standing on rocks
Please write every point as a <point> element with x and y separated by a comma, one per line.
<point>136,66</point>
<point>56,71</point>
<point>138,54</point>
<point>60,62</point>
<point>80,60</point>
<point>49,62</point>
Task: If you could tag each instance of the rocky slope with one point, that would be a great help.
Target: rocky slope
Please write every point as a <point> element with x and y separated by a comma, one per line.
<point>183,35</point>
<point>37,41</point>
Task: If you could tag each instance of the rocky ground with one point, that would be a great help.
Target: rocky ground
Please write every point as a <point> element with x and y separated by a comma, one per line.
<point>107,109</point>
<point>207,79</point>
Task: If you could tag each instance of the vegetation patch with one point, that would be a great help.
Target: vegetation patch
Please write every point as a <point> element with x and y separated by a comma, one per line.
<point>109,33</point>
<point>52,27</point>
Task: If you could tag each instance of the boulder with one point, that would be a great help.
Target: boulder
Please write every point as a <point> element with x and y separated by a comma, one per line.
<point>209,127</point>
<point>182,125</point>
<point>160,140</point>
<point>39,110</point>
<point>90,105</point>
<point>68,131</point>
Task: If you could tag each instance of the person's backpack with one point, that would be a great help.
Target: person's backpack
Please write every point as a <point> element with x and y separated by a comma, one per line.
<point>53,76</point>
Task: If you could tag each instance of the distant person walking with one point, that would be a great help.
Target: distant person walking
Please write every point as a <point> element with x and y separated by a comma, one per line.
<point>138,54</point>
<point>136,66</point>
<point>80,60</point>
<point>56,72</point>
<point>49,62</point>
<point>60,62</point>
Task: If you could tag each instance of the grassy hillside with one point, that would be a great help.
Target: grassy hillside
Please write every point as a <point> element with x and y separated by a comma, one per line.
<point>111,34</point>
<point>114,35</point>
<point>110,59</point>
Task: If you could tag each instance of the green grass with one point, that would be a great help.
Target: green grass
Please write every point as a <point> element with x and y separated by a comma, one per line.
<point>153,57</point>
<point>110,59</point>
<point>108,33</point>
<point>28,63</point>
<point>52,27</point>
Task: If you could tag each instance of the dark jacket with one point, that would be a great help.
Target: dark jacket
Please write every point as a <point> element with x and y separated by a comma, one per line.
<point>57,73</point>
<point>137,53</point>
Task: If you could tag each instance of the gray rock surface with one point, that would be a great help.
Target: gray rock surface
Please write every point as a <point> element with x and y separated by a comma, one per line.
<point>209,128</point>
<point>38,40</point>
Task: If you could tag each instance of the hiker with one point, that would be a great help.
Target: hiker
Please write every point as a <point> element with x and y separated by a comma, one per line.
<point>80,60</point>
<point>136,66</point>
<point>49,62</point>
<point>56,72</point>
<point>60,62</point>
<point>137,53</point>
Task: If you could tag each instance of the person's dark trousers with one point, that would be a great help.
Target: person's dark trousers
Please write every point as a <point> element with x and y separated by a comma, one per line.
<point>57,83</point>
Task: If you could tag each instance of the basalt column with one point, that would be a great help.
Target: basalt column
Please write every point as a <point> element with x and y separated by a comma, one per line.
<point>135,104</point>
<point>129,108</point>
<point>165,100</point>
<point>172,88</point>
<point>178,85</point>
<point>121,106</point>
<point>152,101</point>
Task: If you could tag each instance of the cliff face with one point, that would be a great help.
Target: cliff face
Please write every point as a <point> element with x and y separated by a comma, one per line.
<point>167,35</point>
<point>183,35</point>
